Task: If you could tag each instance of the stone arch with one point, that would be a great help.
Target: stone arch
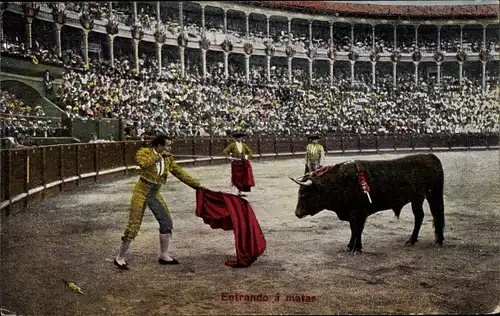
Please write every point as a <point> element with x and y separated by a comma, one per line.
<point>20,88</point>
<point>29,90</point>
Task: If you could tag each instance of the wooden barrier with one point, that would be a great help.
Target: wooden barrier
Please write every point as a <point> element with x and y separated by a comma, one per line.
<point>31,174</point>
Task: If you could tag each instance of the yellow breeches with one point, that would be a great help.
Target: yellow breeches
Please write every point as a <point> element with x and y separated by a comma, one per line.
<point>147,195</point>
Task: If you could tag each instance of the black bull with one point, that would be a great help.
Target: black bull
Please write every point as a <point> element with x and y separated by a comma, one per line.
<point>393,184</point>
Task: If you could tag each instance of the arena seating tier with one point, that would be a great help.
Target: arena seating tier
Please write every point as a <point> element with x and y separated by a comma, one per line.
<point>190,106</point>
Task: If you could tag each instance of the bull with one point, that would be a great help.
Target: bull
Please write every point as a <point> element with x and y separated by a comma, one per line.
<point>392,185</point>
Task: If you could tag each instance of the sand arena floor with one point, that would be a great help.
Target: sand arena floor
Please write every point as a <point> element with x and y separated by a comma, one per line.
<point>75,235</point>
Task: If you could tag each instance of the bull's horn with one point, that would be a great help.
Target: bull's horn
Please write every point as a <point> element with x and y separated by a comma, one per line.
<point>307,183</point>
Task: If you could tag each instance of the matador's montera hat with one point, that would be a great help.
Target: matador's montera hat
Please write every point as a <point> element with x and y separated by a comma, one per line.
<point>314,137</point>
<point>239,134</point>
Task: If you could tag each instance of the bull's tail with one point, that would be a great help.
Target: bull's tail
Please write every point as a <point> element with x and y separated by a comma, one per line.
<point>435,198</point>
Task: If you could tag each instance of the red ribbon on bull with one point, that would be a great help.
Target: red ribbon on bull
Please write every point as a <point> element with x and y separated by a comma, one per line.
<point>364,185</point>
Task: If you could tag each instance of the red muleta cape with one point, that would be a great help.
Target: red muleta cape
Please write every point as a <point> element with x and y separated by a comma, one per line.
<point>242,175</point>
<point>230,212</point>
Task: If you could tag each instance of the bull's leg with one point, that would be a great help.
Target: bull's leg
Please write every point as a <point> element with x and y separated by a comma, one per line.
<point>359,225</point>
<point>436,204</point>
<point>350,245</point>
<point>418,211</point>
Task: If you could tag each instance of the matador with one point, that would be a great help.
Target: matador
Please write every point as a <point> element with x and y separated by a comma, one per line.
<point>155,163</point>
<point>315,154</point>
<point>241,168</point>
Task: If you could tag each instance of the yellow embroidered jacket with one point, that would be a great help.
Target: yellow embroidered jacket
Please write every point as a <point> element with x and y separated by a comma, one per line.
<point>232,150</point>
<point>147,159</point>
<point>315,154</point>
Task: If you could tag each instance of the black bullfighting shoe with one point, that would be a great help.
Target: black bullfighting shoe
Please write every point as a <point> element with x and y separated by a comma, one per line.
<point>173,261</point>
<point>121,266</point>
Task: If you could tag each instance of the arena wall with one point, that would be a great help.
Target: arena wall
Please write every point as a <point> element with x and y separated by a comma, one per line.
<point>31,174</point>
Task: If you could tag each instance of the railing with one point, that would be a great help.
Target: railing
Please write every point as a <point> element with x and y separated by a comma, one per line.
<point>41,171</point>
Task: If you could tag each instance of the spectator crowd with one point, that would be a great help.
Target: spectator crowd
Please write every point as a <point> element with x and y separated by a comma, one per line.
<point>150,103</point>
<point>20,121</point>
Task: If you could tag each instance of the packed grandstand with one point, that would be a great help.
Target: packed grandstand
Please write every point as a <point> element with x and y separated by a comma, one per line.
<point>276,67</point>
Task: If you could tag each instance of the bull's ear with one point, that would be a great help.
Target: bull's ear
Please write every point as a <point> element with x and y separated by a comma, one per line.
<point>303,183</point>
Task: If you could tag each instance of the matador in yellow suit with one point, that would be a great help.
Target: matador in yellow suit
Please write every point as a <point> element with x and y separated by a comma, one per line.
<point>155,163</point>
<point>315,155</point>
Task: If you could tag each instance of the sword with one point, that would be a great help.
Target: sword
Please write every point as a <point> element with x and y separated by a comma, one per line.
<point>369,198</point>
